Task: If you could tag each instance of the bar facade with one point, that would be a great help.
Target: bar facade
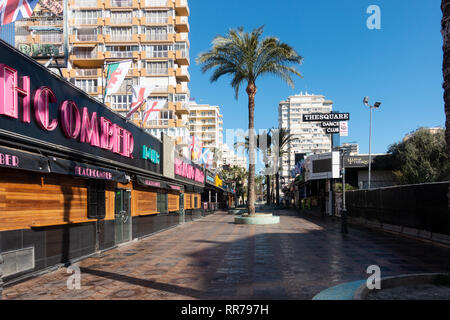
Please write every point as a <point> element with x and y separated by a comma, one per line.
<point>75,177</point>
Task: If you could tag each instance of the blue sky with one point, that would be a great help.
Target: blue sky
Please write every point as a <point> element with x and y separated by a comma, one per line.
<point>399,65</point>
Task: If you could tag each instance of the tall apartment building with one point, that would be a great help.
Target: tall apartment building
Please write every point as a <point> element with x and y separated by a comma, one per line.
<point>153,33</point>
<point>229,157</point>
<point>206,123</point>
<point>308,137</point>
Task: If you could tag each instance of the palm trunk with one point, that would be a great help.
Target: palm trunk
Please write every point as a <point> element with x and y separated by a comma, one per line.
<point>445,7</point>
<point>251,92</point>
<point>277,177</point>
<point>268,189</point>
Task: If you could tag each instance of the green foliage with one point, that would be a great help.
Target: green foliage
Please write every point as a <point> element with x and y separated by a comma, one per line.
<point>421,158</point>
<point>338,187</point>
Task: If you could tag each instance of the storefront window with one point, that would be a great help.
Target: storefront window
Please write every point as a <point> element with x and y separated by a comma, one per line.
<point>162,201</point>
<point>96,199</point>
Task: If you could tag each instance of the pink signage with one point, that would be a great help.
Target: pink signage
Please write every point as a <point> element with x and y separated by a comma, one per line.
<point>81,125</point>
<point>93,173</point>
<point>152,183</point>
<point>188,171</point>
<point>9,160</point>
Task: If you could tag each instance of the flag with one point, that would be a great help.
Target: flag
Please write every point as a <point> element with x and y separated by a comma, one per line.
<point>206,157</point>
<point>152,109</point>
<point>12,10</point>
<point>343,128</point>
<point>115,74</point>
<point>195,148</point>
<point>140,94</point>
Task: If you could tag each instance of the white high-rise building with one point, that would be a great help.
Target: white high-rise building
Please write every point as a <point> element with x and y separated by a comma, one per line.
<point>229,157</point>
<point>308,137</point>
<point>206,124</point>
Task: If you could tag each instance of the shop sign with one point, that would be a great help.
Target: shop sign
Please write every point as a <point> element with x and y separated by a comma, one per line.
<point>188,171</point>
<point>40,109</point>
<point>313,117</point>
<point>210,179</point>
<point>150,154</point>
<point>218,181</point>
<point>14,159</point>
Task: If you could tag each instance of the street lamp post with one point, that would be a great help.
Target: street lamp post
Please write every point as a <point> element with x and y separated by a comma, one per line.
<point>376,105</point>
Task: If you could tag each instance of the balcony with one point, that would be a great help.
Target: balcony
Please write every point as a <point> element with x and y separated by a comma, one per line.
<point>181,108</point>
<point>87,59</point>
<point>156,20</point>
<point>121,21</point>
<point>182,57</point>
<point>181,8</point>
<point>113,4</point>
<point>156,37</point>
<point>156,3</point>
<point>85,3</point>
<point>122,38</point>
<point>181,24</point>
<point>85,73</point>
<point>182,75</point>
<point>182,37</point>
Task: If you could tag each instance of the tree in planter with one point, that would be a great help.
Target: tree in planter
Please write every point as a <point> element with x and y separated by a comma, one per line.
<point>263,142</point>
<point>421,158</point>
<point>247,57</point>
<point>280,139</point>
<point>445,23</point>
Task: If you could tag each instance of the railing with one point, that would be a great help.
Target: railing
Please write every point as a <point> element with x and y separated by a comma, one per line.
<point>183,2</point>
<point>156,3</point>
<point>159,54</point>
<point>121,3</point>
<point>157,19</point>
<point>86,72</point>
<point>86,3</point>
<point>121,54</point>
<point>121,37</point>
<point>161,89</point>
<point>160,122</point>
<point>157,71</point>
<point>184,53</point>
<point>51,38</point>
<point>183,19</point>
<point>85,21</point>
<point>87,37</point>
<point>127,20</point>
<point>86,54</point>
<point>157,37</point>
<point>88,89</point>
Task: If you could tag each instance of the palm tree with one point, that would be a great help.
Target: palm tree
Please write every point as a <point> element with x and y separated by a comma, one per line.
<point>445,7</point>
<point>280,138</point>
<point>263,142</point>
<point>246,57</point>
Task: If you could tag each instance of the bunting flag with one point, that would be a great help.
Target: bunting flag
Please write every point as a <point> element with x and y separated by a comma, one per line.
<point>140,95</point>
<point>152,109</point>
<point>12,10</point>
<point>206,157</point>
<point>195,148</point>
<point>115,74</point>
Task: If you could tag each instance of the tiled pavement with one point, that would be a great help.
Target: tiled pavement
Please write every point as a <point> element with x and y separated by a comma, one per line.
<point>213,258</point>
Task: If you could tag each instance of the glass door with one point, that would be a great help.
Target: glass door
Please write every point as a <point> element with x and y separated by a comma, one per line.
<point>122,214</point>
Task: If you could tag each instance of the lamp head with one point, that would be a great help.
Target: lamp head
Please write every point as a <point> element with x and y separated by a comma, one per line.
<point>366,100</point>
<point>377,104</point>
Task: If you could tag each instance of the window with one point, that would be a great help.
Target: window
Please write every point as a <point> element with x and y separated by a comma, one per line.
<point>162,200</point>
<point>87,16</point>
<point>158,51</point>
<point>121,101</point>
<point>87,85</point>
<point>195,202</point>
<point>156,33</point>
<point>121,17</point>
<point>121,34</point>
<point>157,16</point>
<point>157,68</point>
<point>96,199</point>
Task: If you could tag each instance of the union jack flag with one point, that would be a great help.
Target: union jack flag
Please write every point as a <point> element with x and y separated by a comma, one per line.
<point>12,10</point>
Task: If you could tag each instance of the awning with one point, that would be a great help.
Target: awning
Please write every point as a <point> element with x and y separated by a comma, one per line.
<point>15,159</point>
<point>195,189</point>
<point>150,182</point>
<point>83,170</point>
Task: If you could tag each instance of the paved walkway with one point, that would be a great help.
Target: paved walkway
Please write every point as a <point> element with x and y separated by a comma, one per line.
<point>213,258</point>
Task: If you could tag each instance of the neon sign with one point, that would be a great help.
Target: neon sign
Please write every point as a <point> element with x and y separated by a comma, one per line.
<point>188,171</point>
<point>78,125</point>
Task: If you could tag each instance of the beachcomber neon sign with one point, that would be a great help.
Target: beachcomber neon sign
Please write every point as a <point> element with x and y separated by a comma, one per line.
<point>188,171</point>
<point>77,124</point>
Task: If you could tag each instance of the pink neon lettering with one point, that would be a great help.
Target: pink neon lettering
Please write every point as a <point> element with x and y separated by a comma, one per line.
<point>9,160</point>
<point>89,129</point>
<point>42,98</point>
<point>107,134</point>
<point>10,91</point>
<point>70,119</point>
